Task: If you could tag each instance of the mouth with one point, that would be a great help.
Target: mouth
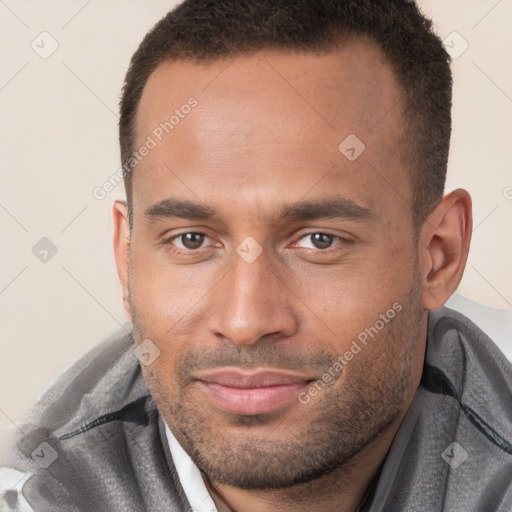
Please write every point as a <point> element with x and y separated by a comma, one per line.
<point>257,392</point>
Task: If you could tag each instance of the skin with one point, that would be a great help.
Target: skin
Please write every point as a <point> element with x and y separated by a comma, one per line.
<point>263,136</point>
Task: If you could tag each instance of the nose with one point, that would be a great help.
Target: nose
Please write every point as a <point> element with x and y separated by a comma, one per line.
<point>251,302</point>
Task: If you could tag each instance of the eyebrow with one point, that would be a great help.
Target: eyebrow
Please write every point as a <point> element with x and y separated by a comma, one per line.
<point>171,207</point>
<point>330,208</point>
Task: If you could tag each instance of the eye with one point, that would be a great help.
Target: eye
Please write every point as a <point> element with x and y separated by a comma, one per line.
<point>192,240</point>
<point>317,241</point>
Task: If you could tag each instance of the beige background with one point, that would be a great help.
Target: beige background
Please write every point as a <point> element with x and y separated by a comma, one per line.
<point>58,133</point>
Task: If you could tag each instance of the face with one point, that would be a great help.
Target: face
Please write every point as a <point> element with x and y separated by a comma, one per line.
<point>274,269</point>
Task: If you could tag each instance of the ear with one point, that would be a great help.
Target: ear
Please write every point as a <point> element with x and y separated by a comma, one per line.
<point>443,248</point>
<point>122,248</point>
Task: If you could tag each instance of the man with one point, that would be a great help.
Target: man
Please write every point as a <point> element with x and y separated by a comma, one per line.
<point>285,253</point>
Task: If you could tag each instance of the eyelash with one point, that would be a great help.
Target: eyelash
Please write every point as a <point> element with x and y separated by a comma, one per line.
<point>322,251</point>
<point>170,241</point>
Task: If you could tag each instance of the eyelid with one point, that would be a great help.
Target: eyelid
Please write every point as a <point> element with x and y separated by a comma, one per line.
<point>305,235</point>
<point>166,236</point>
<point>177,235</point>
<point>169,241</point>
<point>343,239</point>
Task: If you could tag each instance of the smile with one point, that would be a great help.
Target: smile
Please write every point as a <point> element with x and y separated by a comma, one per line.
<point>255,393</point>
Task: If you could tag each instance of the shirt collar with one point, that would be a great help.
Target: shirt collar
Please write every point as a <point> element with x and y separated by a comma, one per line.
<point>190,477</point>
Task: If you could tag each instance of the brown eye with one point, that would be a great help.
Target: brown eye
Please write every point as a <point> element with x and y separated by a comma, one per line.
<point>317,241</point>
<point>321,240</point>
<point>190,240</point>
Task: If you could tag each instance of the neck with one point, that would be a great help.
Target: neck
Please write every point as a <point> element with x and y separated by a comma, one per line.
<point>344,489</point>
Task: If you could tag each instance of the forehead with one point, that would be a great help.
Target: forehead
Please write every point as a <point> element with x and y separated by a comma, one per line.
<point>347,86</point>
<point>271,121</point>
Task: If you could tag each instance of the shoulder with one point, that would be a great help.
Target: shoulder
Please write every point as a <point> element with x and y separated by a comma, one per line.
<point>454,446</point>
<point>464,364</point>
<point>496,323</point>
<point>460,345</point>
<point>103,380</point>
<point>81,429</point>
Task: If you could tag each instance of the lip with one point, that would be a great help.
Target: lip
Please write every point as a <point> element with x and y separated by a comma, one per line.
<point>255,392</point>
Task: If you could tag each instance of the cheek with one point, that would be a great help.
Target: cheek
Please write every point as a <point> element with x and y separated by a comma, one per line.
<point>358,289</point>
<point>347,303</point>
<point>164,294</point>
<point>161,381</point>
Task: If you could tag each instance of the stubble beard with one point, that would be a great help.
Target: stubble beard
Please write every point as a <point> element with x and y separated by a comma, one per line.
<point>337,425</point>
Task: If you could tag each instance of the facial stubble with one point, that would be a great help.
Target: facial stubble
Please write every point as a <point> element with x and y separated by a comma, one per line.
<point>269,451</point>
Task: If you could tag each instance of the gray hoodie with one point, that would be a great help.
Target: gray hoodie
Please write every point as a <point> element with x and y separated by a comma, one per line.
<point>96,441</point>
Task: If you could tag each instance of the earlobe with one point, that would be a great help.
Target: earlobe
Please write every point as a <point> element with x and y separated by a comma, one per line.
<point>444,245</point>
<point>122,248</point>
